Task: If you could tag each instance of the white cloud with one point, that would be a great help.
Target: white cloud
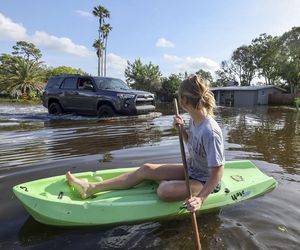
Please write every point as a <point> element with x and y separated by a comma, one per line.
<point>10,30</point>
<point>163,42</point>
<point>63,44</point>
<point>172,58</point>
<point>84,13</point>
<point>14,32</point>
<point>192,64</point>
<point>116,65</point>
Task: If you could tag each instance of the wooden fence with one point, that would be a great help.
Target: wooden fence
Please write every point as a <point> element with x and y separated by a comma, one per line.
<point>282,99</point>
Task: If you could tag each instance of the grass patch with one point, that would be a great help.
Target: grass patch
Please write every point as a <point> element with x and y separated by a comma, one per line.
<point>283,107</point>
<point>19,101</point>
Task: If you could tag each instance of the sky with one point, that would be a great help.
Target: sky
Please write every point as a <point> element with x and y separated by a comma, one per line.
<point>179,36</point>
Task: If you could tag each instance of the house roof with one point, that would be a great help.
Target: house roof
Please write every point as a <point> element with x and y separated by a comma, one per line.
<point>246,88</point>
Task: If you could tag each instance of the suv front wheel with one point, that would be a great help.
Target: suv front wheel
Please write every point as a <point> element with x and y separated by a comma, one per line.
<point>105,111</point>
<point>55,109</point>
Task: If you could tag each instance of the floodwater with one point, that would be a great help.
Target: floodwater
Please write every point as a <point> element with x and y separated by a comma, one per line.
<point>34,145</point>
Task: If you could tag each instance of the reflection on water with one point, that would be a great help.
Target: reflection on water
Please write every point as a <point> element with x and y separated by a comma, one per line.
<point>53,140</point>
<point>157,235</point>
<point>34,144</point>
<point>269,132</point>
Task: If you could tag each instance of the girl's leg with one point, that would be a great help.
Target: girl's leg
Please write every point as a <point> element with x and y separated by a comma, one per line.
<point>175,190</point>
<point>156,172</point>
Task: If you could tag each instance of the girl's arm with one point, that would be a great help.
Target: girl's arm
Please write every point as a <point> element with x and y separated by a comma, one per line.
<point>214,179</point>
<point>179,121</point>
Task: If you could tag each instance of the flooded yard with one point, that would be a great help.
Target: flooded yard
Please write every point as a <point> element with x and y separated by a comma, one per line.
<point>35,145</point>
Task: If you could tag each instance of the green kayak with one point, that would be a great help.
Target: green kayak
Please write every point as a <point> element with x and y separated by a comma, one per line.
<point>51,201</point>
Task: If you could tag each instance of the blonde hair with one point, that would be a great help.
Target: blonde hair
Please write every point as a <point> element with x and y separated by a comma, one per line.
<point>196,91</point>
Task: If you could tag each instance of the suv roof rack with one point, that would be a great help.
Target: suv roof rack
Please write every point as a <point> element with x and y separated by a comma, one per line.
<point>67,75</point>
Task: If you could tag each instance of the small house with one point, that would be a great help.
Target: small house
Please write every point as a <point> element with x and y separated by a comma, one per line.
<point>244,95</point>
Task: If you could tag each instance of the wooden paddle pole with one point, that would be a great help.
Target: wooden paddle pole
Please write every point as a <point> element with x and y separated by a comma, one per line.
<point>188,187</point>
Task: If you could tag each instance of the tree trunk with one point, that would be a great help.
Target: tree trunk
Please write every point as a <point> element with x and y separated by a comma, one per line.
<point>293,88</point>
<point>99,57</point>
<point>105,56</point>
<point>266,80</point>
<point>102,62</point>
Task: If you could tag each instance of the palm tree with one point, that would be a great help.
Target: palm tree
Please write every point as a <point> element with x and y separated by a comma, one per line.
<point>106,28</point>
<point>100,12</point>
<point>20,77</point>
<point>98,45</point>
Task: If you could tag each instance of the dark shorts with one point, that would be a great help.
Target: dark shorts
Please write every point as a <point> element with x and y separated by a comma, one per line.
<point>217,188</point>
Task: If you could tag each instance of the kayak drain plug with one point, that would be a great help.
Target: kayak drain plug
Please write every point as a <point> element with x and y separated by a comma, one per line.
<point>227,190</point>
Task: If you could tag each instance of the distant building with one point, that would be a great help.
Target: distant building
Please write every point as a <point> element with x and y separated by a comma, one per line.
<point>244,95</point>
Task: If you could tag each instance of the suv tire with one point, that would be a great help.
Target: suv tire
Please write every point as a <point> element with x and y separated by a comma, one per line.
<point>55,109</point>
<point>106,111</point>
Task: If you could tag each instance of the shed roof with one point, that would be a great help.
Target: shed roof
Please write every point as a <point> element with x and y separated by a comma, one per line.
<point>246,88</point>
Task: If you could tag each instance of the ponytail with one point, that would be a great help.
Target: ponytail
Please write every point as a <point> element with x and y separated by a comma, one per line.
<point>196,90</point>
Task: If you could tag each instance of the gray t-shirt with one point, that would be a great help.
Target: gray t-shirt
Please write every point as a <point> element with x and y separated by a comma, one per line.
<point>206,148</point>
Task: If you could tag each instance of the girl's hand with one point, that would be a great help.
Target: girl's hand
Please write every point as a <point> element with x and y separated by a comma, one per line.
<point>193,204</point>
<point>178,120</point>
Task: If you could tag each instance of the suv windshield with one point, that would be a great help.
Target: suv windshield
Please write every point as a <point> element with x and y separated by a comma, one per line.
<point>110,83</point>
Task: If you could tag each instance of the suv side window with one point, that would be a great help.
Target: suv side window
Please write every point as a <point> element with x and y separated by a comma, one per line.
<point>53,83</point>
<point>110,83</point>
<point>69,83</point>
<point>85,84</point>
<point>103,84</point>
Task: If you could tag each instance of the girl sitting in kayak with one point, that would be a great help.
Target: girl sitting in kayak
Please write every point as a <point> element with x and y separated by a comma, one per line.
<point>206,155</point>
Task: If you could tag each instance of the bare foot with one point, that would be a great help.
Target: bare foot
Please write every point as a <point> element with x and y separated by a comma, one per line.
<point>83,187</point>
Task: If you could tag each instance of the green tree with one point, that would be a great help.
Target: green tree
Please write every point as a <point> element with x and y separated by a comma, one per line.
<point>265,49</point>
<point>242,64</point>
<point>63,70</point>
<point>289,59</point>
<point>106,28</point>
<point>205,75</point>
<point>99,47</point>
<point>27,50</point>
<point>101,13</point>
<point>221,79</point>
<point>169,87</point>
<point>143,76</point>
<point>224,75</point>
<point>19,76</point>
